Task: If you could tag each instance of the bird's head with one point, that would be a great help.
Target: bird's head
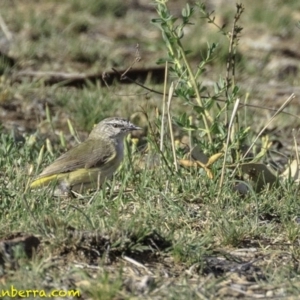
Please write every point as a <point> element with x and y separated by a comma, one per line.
<point>114,127</point>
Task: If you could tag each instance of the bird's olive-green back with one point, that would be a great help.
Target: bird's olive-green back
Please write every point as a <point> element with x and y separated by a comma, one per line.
<point>92,153</point>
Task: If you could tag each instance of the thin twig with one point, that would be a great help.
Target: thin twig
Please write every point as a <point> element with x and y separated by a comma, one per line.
<point>234,112</point>
<point>136,60</point>
<point>296,147</point>
<point>163,109</point>
<point>136,263</point>
<point>171,90</point>
<point>231,54</point>
<point>81,76</point>
<point>5,29</point>
<point>242,104</point>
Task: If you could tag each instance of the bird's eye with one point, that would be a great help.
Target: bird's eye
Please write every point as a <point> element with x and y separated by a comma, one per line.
<point>115,125</point>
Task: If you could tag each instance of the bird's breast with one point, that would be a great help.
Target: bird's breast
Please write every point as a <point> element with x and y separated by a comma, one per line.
<point>120,151</point>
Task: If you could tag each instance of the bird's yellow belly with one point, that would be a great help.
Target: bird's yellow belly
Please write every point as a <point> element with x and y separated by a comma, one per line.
<point>82,179</point>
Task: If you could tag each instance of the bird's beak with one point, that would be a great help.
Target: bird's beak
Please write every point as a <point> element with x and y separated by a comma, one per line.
<point>133,127</point>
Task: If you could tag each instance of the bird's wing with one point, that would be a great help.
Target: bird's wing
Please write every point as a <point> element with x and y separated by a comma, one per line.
<point>85,155</point>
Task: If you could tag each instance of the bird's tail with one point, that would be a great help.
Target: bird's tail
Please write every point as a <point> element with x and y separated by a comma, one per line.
<point>43,181</point>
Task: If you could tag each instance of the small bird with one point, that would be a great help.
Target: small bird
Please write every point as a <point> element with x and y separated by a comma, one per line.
<point>90,163</point>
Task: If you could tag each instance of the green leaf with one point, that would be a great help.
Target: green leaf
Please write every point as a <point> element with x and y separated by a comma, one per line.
<point>198,109</point>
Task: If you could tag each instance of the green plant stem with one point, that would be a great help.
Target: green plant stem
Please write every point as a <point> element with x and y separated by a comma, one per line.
<point>205,115</point>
